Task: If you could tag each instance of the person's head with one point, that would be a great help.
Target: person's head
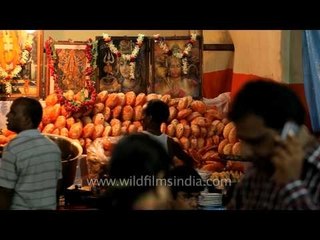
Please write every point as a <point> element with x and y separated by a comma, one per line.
<point>126,47</point>
<point>161,70</point>
<point>9,38</point>
<point>185,185</point>
<point>124,68</point>
<point>259,111</point>
<point>138,159</point>
<point>25,113</point>
<point>155,113</point>
<point>174,67</point>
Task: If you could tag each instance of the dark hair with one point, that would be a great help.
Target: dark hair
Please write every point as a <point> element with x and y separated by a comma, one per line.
<point>32,109</point>
<point>138,154</point>
<point>184,179</point>
<point>135,156</point>
<point>158,110</point>
<point>274,102</point>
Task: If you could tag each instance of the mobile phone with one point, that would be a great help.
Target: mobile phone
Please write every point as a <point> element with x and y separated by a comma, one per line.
<point>289,128</point>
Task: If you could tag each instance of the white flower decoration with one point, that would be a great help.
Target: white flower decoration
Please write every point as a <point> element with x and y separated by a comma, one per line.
<point>24,58</point>
<point>127,57</point>
<point>178,54</point>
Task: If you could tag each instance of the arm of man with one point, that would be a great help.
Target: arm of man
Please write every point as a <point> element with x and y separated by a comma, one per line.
<point>175,150</point>
<point>5,198</point>
<point>288,160</point>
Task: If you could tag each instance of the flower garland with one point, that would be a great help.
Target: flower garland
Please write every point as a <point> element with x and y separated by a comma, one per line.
<point>127,57</point>
<point>89,94</point>
<point>181,54</point>
<point>25,57</point>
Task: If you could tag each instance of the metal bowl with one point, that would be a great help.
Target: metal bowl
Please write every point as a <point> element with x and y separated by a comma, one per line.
<point>71,151</point>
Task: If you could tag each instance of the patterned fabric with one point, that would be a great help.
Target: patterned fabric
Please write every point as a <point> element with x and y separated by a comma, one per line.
<point>258,191</point>
<point>31,166</point>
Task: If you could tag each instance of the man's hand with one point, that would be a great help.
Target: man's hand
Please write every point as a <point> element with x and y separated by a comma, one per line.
<point>288,157</point>
<point>5,198</point>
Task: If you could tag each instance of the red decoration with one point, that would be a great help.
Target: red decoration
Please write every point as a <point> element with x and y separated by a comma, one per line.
<point>71,105</point>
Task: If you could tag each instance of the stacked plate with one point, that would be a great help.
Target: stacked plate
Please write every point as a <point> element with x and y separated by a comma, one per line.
<point>210,201</point>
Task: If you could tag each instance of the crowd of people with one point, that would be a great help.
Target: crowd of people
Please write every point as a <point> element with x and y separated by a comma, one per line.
<point>284,174</point>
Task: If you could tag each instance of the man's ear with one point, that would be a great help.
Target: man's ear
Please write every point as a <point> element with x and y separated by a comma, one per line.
<point>26,120</point>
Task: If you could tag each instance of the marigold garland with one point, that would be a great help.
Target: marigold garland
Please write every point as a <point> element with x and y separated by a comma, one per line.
<point>89,93</point>
<point>178,54</point>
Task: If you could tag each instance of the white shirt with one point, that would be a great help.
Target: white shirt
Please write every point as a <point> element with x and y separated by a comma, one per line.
<point>162,139</point>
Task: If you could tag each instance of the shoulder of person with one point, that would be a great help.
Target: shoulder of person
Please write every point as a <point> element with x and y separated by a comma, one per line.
<point>172,142</point>
<point>170,139</point>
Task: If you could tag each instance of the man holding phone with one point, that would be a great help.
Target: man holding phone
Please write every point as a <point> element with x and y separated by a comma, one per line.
<point>285,173</point>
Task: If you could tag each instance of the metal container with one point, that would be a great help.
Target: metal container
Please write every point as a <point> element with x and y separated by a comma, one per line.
<point>71,151</point>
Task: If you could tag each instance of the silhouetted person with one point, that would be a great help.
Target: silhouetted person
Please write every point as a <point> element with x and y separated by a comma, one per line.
<point>31,163</point>
<point>155,113</point>
<point>185,185</point>
<point>137,167</point>
<point>285,172</point>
